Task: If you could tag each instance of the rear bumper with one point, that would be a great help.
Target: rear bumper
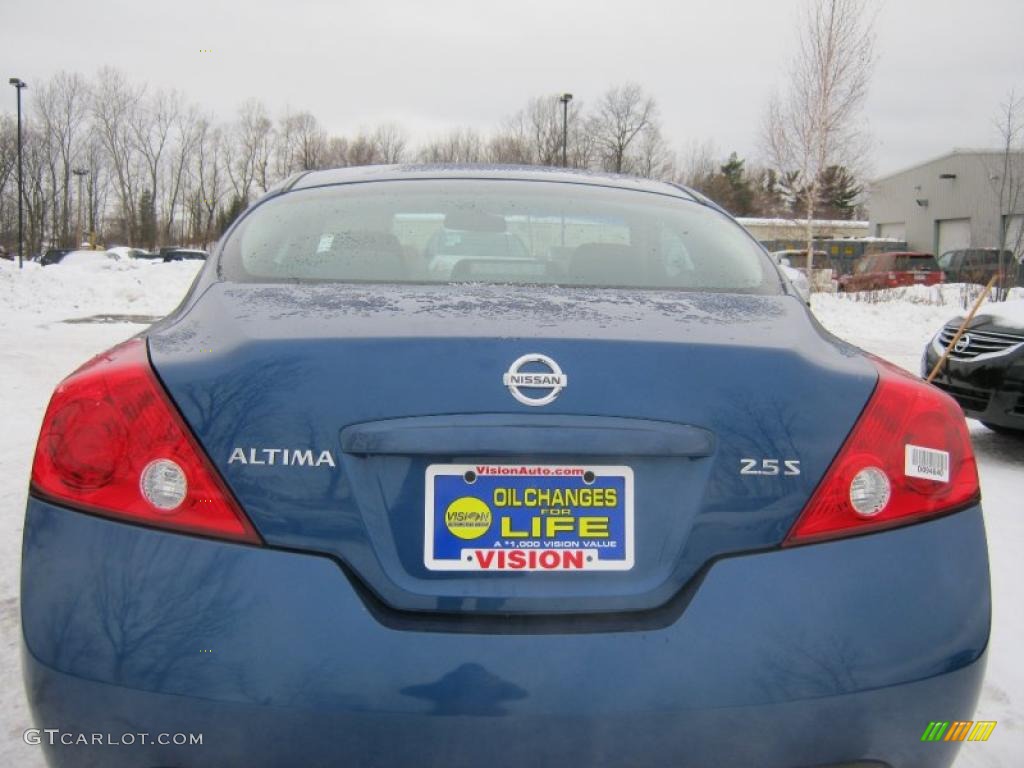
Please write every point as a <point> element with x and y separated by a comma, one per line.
<point>822,654</point>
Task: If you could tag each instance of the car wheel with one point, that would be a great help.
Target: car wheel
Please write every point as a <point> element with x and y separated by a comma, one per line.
<point>999,428</point>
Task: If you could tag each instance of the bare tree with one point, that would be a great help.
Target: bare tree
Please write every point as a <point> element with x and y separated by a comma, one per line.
<point>336,152</point>
<point>151,127</point>
<point>622,114</point>
<point>97,182</point>
<point>208,187</point>
<point>510,144</point>
<point>310,142</point>
<point>254,131</point>
<point>362,150</point>
<point>284,151</point>
<point>113,108</point>
<point>62,105</point>
<point>301,144</point>
<point>457,146</point>
<point>815,123</point>
<point>583,146</point>
<point>186,134</point>
<point>250,150</point>
<point>156,165</point>
<point>543,118</point>
<point>1008,180</point>
<point>654,159</point>
<point>390,142</point>
<point>8,166</point>
<point>36,162</point>
<point>697,163</point>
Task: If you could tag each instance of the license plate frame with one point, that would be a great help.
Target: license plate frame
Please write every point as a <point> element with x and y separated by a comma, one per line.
<point>602,538</point>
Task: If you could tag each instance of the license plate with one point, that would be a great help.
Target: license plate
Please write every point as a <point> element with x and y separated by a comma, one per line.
<point>528,518</point>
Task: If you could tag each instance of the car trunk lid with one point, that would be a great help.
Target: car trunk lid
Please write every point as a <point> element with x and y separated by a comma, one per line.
<point>331,409</point>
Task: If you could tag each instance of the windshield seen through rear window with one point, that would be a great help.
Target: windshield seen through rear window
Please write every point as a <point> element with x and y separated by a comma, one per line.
<point>916,263</point>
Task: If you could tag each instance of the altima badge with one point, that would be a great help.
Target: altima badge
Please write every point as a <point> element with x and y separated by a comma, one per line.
<point>552,380</point>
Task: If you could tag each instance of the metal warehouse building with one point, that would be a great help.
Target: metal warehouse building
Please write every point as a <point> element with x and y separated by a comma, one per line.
<point>947,203</point>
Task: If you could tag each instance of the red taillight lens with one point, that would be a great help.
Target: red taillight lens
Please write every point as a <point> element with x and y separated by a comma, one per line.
<point>112,443</point>
<point>909,456</point>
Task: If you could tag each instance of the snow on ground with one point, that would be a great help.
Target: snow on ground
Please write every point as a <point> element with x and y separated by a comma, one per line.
<point>40,348</point>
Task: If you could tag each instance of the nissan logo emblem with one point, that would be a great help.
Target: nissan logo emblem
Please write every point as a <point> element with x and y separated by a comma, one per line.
<point>552,379</point>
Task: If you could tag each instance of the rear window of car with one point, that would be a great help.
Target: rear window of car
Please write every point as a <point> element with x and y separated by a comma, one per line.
<point>923,262</point>
<point>869,264</point>
<point>495,231</point>
<point>983,258</point>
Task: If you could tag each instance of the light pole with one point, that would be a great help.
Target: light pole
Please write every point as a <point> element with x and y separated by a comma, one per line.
<point>18,83</point>
<point>80,173</point>
<point>565,98</point>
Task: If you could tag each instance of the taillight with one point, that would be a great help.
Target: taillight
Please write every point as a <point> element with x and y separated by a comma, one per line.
<point>908,457</point>
<point>112,443</point>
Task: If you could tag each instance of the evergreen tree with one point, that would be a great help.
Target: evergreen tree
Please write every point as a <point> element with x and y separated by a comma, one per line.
<point>768,195</point>
<point>147,219</point>
<point>226,217</point>
<point>793,193</point>
<point>740,193</point>
<point>729,186</point>
<point>839,193</point>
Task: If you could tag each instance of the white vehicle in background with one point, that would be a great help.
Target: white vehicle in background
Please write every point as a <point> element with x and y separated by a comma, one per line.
<point>795,276</point>
<point>821,267</point>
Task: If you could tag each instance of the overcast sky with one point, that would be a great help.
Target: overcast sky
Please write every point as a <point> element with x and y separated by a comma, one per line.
<point>943,67</point>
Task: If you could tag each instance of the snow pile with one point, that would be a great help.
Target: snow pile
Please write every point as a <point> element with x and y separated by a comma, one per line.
<point>896,330</point>
<point>957,296</point>
<point>1006,313</point>
<point>897,323</point>
<point>86,258</point>
<point>101,286</point>
<point>748,221</point>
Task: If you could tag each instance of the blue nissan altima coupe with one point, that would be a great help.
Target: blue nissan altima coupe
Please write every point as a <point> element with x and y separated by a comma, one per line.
<point>469,466</point>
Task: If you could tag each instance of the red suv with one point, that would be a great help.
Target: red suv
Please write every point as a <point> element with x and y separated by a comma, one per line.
<point>892,270</point>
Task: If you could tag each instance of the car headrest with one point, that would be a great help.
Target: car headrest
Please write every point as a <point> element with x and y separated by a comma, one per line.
<point>366,255</point>
<point>604,264</point>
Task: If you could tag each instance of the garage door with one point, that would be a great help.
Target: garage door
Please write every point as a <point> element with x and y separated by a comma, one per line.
<point>954,234</point>
<point>1015,233</point>
<point>897,230</point>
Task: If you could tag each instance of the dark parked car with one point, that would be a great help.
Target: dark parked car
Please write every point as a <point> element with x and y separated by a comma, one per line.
<point>622,502</point>
<point>985,370</point>
<point>892,269</point>
<point>54,256</point>
<point>183,254</point>
<point>977,265</point>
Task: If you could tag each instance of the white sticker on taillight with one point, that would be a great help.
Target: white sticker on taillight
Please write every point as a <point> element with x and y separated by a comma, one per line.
<point>927,463</point>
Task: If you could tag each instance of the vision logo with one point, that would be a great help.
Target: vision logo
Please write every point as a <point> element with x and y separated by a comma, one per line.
<point>959,730</point>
